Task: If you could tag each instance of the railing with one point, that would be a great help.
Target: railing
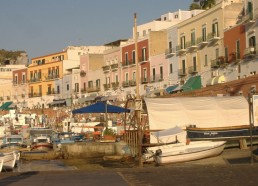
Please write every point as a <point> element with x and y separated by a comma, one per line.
<point>93,89</point>
<point>170,51</point>
<point>125,84</point>
<point>215,63</point>
<point>106,86</point>
<point>143,59</point>
<point>114,66</point>
<point>182,72</point>
<point>51,77</point>
<point>213,36</point>
<point>115,84</point>
<point>145,80</point>
<point>192,69</point>
<point>34,80</point>
<point>132,82</point>
<point>202,40</point>
<point>250,52</point>
<point>248,18</point>
<point>83,90</point>
<point>106,68</point>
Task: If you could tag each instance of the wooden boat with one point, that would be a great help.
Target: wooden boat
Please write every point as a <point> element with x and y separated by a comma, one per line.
<point>232,132</point>
<point>42,143</point>
<point>9,160</point>
<point>182,152</point>
<point>1,164</point>
<point>13,142</point>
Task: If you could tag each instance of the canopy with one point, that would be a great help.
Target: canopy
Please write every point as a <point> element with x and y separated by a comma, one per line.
<point>192,83</point>
<point>6,105</point>
<point>100,107</point>
<point>204,112</point>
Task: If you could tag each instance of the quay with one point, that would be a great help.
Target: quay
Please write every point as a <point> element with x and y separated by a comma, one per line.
<point>232,167</point>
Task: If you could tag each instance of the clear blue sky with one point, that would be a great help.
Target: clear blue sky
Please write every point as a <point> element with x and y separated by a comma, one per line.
<point>41,27</point>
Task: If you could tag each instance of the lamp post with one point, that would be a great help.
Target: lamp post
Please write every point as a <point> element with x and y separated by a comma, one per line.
<point>138,100</point>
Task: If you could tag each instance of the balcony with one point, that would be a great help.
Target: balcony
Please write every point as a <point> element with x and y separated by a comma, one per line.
<point>191,45</point>
<point>35,80</point>
<point>115,85</point>
<point>132,82</point>
<point>114,66</point>
<point>83,90</point>
<point>170,52</point>
<point>143,60</point>
<point>145,80</point>
<point>51,77</point>
<point>235,57</point>
<point>125,84</point>
<point>248,19</point>
<point>83,73</point>
<point>106,86</point>
<point>125,64</point>
<point>213,37</point>
<point>202,41</point>
<point>34,94</point>
<point>182,72</point>
<point>250,53</point>
<point>180,49</point>
<point>192,70</point>
<point>106,68</point>
<point>93,89</point>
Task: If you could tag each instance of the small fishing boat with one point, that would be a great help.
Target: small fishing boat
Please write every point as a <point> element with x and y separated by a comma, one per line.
<point>182,152</point>
<point>42,143</point>
<point>220,133</point>
<point>13,142</point>
<point>9,160</point>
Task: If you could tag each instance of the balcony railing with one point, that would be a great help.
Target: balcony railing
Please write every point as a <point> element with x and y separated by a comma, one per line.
<point>145,80</point>
<point>132,82</point>
<point>125,84</point>
<point>34,94</point>
<point>34,80</point>
<point>51,77</point>
<point>170,52</point>
<point>93,89</point>
<point>106,68</point>
<point>182,72</point>
<point>248,18</point>
<point>114,66</point>
<point>191,44</point>
<point>202,41</point>
<point>115,84</point>
<point>250,52</point>
<point>83,90</point>
<point>192,70</point>
<point>106,86</point>
<point>181,49</point>
<point>213,36</point>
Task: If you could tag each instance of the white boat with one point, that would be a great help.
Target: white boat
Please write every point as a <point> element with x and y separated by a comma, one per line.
<point>1,164</point>
<point>9,160</point>
<point>182,152</point>
<point>42,143</point>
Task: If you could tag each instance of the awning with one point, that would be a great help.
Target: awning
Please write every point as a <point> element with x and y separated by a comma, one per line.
<point>171,88</point>
<point>57,102</point>
<point>109,98</point>
<point>6,105</point>
<point>85,99</point>
<point>216,80</point>
<point>219,79</point>
<point>193,83</point>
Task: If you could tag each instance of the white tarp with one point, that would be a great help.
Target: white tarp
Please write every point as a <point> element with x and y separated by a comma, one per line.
<point>204,112</point>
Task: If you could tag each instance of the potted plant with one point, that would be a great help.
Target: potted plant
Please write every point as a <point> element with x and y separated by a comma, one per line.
<point>109,134</point>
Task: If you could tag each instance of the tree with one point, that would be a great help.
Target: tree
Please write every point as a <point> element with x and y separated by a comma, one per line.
<point>194,6</point>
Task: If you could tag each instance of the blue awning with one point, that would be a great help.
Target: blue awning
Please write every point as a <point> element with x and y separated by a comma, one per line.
<point>171,88</point>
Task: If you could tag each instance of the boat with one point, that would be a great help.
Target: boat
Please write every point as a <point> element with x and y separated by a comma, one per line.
<point>13,142</point>
<point>9,160</point>
<point>1,164</point>
<point>42,143</point>
<point>220,133</point>
<point>182,152</point>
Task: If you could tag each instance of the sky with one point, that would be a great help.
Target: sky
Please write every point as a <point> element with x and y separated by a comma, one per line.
<point>42,27</point>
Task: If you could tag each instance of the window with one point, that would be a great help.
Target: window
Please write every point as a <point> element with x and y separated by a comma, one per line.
<point>153,74</point>
<point>192,38</point>
<point>182,42</point>
<point>226,54</point>
<point>217,53</point>
<point>144,33</point>
<point>143,54</point>
<point>134,76</point>
<point>126,77</point>
<point>194,64</point>
<point>58,89</point>
<point>144,75</point>
<point>239,68</point>
<point>170,68</point>
<point>23,79</point>
<point>161,72</point>
<point>67,87</point>
<point>16,80</point>
<point>176,16</point>
<point>98,83</point>
<point>205,60</point>
<point>126,58</point>
<point>134,57</point>
<point>183,66</point>
<point>204,38</point>
<point>238,49</point>
<point>76,87</point>
<point>215,29</point>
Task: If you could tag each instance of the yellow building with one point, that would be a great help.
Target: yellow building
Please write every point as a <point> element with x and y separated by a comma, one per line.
<point>200,40</point>
<point>42,73</point>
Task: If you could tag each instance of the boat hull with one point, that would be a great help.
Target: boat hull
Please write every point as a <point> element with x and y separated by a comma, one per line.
<point>9,160</point>
<point>42,146</point>
<point>220,133</point>
<point>190,152</point>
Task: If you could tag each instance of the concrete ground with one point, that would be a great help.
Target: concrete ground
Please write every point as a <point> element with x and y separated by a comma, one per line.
<point>232,167</point>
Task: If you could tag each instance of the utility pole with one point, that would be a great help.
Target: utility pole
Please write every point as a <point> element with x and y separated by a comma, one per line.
<point>138,101</point>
